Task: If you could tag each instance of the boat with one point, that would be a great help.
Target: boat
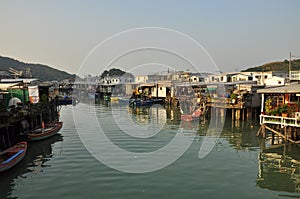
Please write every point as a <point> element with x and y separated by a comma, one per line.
<point>49,130</point>
<point>124,100</point>
<point>146,102</point>
<point>12,156</point>
<point>119,99</point>
<point>65,100</point>
<point>114,99</point>
<point>191,117</point>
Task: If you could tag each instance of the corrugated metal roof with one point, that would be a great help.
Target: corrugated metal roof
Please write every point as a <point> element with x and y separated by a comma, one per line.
<point>293,88</point>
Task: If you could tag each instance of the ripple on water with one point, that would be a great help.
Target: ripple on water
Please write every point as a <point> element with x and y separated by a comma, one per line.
<point>229,171</point>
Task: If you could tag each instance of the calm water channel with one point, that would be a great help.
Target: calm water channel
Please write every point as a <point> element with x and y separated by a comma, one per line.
<point>239,166</point>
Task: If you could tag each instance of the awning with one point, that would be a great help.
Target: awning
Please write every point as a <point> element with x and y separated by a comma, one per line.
<point>25,81</point>
<point>293,88</point>
<point>5,86</point>
<point>147,85</point>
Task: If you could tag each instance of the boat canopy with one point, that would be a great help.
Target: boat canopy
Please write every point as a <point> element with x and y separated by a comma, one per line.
<point>5,86</point>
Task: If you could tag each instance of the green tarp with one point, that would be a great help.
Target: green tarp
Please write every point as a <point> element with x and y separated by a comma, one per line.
<point>18,93</point>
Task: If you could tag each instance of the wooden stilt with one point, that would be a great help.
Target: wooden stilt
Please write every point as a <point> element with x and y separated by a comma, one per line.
<point>285,133</point>
<point>249,113</point>
<point>258,132</point>
<point>282,135</point>
<point>264,130</point>
<point>238,114</point>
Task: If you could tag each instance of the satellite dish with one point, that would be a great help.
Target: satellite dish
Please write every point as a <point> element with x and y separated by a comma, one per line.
<point>14,101</point>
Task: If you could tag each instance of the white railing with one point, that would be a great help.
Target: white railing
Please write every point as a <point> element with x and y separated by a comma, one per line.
<point>283,121</point>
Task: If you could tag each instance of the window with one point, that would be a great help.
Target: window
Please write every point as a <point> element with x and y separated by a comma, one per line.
<point>266,76</point>
<point>160,88</point>
<point>279,82</point>
<point>280,100</point>
<point>277,100</point>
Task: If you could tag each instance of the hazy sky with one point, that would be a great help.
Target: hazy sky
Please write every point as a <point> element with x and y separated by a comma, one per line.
<point>237,34</point>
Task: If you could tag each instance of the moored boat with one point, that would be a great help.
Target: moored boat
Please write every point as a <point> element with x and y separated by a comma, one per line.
<point>146,102</point>
<point>12,156</point>
<point>65,100</point>
<point>191,117</point>
<point>119,99</point>
<point>49,130</point>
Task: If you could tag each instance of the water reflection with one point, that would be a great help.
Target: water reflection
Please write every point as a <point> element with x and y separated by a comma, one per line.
<point>241,134</point>
<point>35,160</point>
<point>152,114</point>
<point>279,168</point>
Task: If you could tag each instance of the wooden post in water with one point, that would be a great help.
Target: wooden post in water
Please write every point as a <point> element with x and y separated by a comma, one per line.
<point>222,112</point>
<point>255,113</point>
<point>243,114</point>
<point>295,134</point>
<point>263,130</point>
<point>249,113</point>
<point>290,132</point>
<point>273,138</point>
<point>238,114</point>
<point>285,134</point>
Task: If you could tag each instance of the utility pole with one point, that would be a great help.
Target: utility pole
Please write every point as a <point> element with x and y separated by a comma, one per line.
<point>290,66</point>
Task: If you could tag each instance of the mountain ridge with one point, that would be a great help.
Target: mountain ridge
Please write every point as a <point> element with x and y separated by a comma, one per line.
<point>275,66</point>
<point>40,71</point>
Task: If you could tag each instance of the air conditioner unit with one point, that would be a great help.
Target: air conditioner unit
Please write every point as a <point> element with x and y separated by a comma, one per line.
<point>297,115</point>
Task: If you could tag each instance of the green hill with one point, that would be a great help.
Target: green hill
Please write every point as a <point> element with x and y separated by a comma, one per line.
<point>276,66</point>
<point>39,71</point>
<point>112,72</point>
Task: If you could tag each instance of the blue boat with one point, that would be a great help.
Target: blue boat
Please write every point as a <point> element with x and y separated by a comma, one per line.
<point>67,100</point>
<point>146,102</point>
<point>12,156</point>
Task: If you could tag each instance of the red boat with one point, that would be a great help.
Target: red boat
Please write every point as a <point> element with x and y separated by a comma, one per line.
<point>12,156</point>
<point>191,117</point>
<point>49,130</point>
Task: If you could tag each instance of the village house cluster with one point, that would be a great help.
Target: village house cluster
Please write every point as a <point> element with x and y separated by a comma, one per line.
<point>273,96</point>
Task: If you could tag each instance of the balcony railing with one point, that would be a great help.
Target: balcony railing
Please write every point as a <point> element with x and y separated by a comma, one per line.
<point>283,121</point>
